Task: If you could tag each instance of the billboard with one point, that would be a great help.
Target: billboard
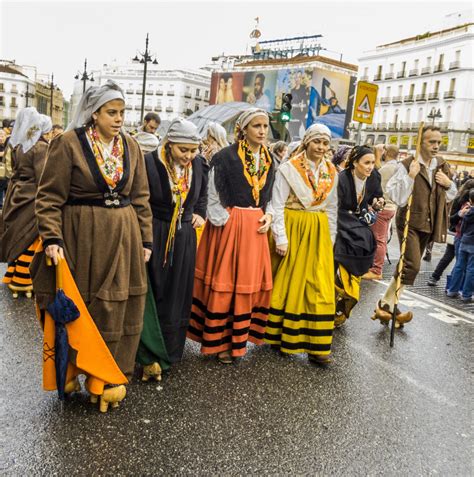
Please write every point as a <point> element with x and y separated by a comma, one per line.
<point>319,95</point>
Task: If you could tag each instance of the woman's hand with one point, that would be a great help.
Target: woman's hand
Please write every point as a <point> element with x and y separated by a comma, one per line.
<point>378,203</point>
<point>282,249</point>
<point>266,220</point>
<point>197,221</point>
<point>146,254</point>
<point>54,252</point>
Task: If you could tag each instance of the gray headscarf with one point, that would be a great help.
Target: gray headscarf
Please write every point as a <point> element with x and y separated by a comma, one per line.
<point>29,127</point>
<point>245,118</point>
<point>93,98</point>
<point>182,131</point>
<point>147,142</point>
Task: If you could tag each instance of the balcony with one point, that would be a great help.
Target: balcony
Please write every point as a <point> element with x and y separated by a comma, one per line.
<point>381,126</point>
<point>401,74</point>
<point>130,91</point>
<point>169,109</point>
<point>449,94</point>
<point>158,109</point>
<point>433,97</point>
<point>414,126</point>
<point>409,98</point>
<point>454,65</point>
<point>148,107</point>
<point>170,93</point>
<point>13,105</point>
<point>392,126</point>
<point>385,100</point>
<point>397,99</point>
<point>389,76</point>
<point>414,72</point>
<point>421,97</point>
<point>198,98</point>
<point>438,69</point>
<point>443,125</point>
<point>404,126</point>
<point>159,92</point>
<point>364,78</point>
<point>149,91</point>
<point>378,77</point>
<point>138,91</point>
<point>187,95</point>
<point>129,107</point>
<point>426,70</point>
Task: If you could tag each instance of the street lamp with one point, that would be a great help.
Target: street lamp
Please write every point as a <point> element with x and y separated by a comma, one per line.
<point>434,115</point>
<point>145,58</point>
<point>84,76</point>
<point>27,95</point>
<point>52,91</point>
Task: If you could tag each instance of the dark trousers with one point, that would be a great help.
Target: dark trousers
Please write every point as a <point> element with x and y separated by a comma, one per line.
<point>415,247</point>
<point>445,260</point>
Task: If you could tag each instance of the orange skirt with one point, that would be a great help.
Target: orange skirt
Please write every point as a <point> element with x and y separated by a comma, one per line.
<point>232,285</point>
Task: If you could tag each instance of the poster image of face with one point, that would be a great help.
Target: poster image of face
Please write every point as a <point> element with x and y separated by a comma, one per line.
<point>298,83</point>
<point>328,102</point>
<point>259,89</point>
<point>226,87</point>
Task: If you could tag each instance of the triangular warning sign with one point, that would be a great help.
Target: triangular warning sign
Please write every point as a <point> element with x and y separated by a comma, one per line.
<point>364,105</point>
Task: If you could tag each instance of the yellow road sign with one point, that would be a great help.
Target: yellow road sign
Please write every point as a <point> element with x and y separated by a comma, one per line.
<point>364,104</point>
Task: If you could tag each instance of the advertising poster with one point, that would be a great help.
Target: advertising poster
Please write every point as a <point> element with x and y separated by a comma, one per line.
<point>226,87</point>
<point>329,100</point>
<point>259,89</point>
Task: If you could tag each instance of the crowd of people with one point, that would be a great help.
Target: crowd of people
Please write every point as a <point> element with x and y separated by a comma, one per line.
<point>189,237</point>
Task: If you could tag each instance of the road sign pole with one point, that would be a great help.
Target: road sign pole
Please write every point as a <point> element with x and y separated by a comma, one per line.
<point>359,129</point>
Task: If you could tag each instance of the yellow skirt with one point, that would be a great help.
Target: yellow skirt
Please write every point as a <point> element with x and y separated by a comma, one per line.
<point>301,318</point>
<point>347,291</point>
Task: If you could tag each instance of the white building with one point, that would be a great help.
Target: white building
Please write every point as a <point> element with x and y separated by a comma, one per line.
<point>17,90</point>
<point>431,72</point>
<point>170,93</point>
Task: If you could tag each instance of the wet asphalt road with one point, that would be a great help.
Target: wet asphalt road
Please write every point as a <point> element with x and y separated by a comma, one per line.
<point>374,411</point>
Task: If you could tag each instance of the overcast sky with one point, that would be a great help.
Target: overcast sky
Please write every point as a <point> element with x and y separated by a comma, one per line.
<point>57,36</point>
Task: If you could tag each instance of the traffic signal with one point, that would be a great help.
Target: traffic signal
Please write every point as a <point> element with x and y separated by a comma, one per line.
<point>285,110</point>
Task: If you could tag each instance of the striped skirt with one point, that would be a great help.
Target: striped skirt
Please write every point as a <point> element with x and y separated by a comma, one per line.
<point>18,276</point>
<point>302,308</point>
<point>232,285</point>
<point>347,291</point>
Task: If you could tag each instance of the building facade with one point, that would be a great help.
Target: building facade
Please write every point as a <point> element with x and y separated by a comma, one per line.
<point>170,93</point>
<point>17,90</point>
<point>424,78</point>
<point>50,101</point>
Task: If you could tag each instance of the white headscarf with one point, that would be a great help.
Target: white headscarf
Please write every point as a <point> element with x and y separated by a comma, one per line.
<point>29,127</point>
<point>245,118</point>
<point>182,131</point>
<point>147,142</point>
<point>218,133</point>
<point>315,131</point>
<point>92,99</point>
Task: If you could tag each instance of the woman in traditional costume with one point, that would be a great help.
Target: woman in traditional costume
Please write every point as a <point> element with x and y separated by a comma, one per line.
<point>215,140</point>
<point>177,176</point>
<point>233,281</point>
<point>93,209</point>
<point>360,197</point>
<point>20,233</point>
<point>304,209</point>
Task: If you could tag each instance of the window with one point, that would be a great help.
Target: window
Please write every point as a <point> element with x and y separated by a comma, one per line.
<point>391,67</point>
<point>2,87</point>
<point>423,89</point>
<point>428,61</point>
<point>420,114</point>
<point>408,115</point>
<point>436,87</point>
<point>412,89</point>
<point>196,107</point>
<point>452,84</point>
<point>404,65</point>
<point>417,62</point>
<point>198,92</point>
<point>448,114</point>
<point>384,116</point>
<point>400,90</point>
<point>389,90</point>
<point>395,117</point>
<point>206,94</point>
<point>457,55</point>
<point>366,71</point>
<point>2,101</point>
<point>441,60</point>
<point>13,103</point>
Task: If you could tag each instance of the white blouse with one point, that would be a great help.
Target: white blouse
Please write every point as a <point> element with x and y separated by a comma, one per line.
<point>400,186</point>
<point>280,193</point>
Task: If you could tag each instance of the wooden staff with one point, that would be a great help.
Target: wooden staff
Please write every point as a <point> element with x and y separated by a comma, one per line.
<point>403,245</point>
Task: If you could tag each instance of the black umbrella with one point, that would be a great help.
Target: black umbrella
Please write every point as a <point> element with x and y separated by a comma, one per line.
<point>63,310</point>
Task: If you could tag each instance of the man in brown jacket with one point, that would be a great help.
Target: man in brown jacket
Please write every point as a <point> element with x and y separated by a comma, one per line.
<point>429,180</point>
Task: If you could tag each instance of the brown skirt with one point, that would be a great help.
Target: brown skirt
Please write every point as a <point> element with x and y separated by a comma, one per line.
<point>232,285</point>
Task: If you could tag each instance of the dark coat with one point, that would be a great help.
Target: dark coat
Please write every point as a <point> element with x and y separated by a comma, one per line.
<point>19,224</point>
<point>355,243</point>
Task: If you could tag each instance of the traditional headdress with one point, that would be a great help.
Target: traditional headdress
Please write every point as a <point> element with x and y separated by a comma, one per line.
<point>245,118</point>
<point>93,98</point>
<point>29,127</point>
<point>147,142</point>
<point>182,131</point>
<point>218,133</point>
